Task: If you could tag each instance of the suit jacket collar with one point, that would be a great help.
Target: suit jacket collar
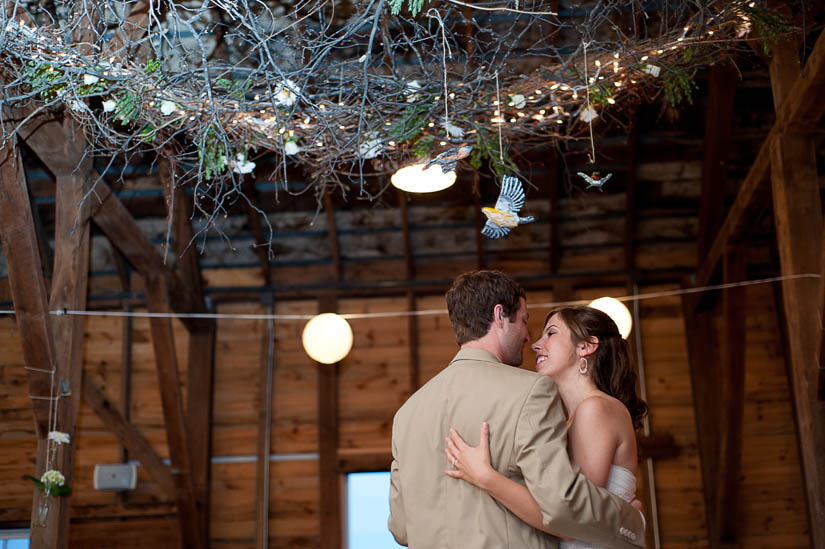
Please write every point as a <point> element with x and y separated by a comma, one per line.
<point>475,354</point>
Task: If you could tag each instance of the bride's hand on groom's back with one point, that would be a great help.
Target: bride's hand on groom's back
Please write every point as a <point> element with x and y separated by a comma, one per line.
<point>470,463</point>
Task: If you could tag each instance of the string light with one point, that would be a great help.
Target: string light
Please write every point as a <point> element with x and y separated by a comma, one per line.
<point>422,312</point>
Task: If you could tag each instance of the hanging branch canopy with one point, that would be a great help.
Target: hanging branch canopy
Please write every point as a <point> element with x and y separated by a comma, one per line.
<point>329,86</point>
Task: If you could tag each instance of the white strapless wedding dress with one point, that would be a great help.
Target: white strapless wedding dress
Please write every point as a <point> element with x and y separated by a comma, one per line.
<point>621,482</point>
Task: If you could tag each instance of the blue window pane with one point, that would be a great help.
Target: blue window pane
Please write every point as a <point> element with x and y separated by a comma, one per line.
<point>18,544</point>
<point>368,509</point>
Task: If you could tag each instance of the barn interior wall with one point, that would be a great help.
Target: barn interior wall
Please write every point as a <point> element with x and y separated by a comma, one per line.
<point>374,381</point>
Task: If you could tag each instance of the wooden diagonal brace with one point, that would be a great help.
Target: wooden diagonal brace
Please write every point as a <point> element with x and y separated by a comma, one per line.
<point>26,282</point>
<point>138,447</point>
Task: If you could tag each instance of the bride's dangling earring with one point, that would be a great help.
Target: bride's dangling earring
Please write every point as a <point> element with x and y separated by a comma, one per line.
<point>583,369</point>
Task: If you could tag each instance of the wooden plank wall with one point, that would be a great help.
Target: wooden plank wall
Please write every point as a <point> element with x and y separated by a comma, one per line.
<point>374,382</point>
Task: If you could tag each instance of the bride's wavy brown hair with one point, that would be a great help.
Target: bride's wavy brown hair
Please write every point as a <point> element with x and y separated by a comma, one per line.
<point>611,367</point>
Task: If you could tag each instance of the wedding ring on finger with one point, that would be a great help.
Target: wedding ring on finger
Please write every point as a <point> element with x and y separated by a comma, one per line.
<point>454,461</point>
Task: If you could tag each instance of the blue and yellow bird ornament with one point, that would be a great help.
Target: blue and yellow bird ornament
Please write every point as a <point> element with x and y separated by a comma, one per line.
<point>504,216</point>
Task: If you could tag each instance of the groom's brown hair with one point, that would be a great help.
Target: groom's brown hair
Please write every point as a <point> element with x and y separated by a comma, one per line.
<point>473,297</point>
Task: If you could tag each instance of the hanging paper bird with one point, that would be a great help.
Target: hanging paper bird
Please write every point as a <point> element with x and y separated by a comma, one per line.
<point>504,216</point>
<point>595,180</point>
<point>448,158</point>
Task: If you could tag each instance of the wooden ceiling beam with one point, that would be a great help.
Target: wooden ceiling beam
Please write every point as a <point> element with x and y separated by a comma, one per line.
<point>800,110</point>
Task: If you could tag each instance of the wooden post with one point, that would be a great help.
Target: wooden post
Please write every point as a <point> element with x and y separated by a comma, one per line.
<point>338,270</point>
<point>718,124</point>
<point>481,261</point>
<point>409,270</point>
<point>49,345</point>
<point>266,381</point>
<point>702,348</point>
<point>798,217</point>
<point>630,206</point>
<point>330,480</point>
<point>69,287</point>
<point>254,213</point>
<point>553,226</point>
<point>157,295</point>
<point>200,370</point>
<point>731,378</point>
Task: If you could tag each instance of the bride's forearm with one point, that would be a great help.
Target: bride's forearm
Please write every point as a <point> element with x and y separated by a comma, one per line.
<point>516,497</point>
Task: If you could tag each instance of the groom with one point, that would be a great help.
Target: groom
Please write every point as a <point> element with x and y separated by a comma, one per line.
<point>528,440</point>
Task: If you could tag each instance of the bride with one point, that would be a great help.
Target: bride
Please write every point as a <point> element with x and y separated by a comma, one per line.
<point>582,350</point>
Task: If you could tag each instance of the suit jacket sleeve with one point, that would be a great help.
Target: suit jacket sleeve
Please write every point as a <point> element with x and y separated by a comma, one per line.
<point>398,519</point>
<point>570,504</point>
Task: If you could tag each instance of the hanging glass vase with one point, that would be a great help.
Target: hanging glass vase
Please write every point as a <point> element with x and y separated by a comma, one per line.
<point>43,511</point>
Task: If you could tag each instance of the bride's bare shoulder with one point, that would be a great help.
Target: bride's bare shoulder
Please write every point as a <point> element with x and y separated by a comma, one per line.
<point>601,408</point>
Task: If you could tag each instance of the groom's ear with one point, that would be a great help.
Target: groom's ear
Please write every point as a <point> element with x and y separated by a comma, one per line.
<point>498,314</point>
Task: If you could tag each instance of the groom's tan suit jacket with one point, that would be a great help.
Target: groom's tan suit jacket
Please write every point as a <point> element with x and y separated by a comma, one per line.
<point>528,443</point>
